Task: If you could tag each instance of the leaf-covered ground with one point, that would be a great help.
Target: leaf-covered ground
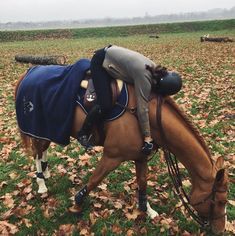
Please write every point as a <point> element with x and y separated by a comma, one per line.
<point>207,96</point>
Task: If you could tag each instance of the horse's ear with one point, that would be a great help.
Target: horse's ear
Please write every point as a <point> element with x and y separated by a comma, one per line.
<point>220,163</point>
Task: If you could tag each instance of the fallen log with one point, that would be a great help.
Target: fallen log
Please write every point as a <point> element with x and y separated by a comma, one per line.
<point>216,39</point>
<point>41,60</point>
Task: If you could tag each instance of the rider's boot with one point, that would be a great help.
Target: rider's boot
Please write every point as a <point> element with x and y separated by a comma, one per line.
<point>92,117</point>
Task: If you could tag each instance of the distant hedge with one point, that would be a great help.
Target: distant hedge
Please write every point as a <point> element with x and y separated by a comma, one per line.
<point>118,31</point>
<point>28,35</point>
<point>154,28</point>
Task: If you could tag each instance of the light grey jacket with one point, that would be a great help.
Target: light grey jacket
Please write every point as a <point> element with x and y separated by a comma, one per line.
<point>129,66</point>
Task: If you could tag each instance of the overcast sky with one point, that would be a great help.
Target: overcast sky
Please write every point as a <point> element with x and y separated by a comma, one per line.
<point>46,10</point>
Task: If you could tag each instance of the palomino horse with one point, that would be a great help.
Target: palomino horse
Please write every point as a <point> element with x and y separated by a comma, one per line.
<point>122,142</point>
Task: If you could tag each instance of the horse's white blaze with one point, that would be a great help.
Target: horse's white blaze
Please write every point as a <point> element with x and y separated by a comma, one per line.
<point>42,188</point>
<point>151,213</point>
<point>46,173</point>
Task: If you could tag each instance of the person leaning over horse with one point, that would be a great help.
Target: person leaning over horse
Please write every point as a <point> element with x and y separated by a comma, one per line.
<point>131,67</point>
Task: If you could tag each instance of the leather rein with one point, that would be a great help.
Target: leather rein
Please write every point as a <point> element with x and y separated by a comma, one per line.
<point>175,176</point>
<point>173,170</point>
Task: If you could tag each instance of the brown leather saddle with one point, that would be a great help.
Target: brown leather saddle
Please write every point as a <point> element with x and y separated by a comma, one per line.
<point>90,94</point>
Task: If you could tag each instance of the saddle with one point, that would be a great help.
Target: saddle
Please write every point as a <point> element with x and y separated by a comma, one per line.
<point>90,94</point>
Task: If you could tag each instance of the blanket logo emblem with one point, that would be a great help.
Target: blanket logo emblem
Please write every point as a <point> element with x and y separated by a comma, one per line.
<point>28,106</point>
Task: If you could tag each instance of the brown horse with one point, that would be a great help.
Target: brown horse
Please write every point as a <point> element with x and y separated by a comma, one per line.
<point>209,180</point>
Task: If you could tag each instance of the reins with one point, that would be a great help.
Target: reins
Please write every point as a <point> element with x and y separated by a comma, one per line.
<point>173,169</point>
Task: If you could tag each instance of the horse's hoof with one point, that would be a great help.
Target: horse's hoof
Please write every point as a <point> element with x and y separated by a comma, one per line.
<point>76,210</point>
<point>41,186</point>
<point>42,190</point>
<point>151,213</point>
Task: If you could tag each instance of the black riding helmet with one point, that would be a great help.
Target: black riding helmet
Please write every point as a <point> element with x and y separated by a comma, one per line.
<point>169,84</point>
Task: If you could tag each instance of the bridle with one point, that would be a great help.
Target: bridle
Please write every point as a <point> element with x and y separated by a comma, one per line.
<point>211,198</point>
<point>174,173</point>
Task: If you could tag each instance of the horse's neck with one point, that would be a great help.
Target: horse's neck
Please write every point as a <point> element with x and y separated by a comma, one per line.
<point>185,144</point>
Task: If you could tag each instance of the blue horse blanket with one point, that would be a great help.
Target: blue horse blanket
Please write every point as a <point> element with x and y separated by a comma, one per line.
<point>46,100</point>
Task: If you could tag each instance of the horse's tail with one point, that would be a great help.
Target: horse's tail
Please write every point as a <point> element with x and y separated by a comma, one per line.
<point>18,83</point>
<point>26,141</point>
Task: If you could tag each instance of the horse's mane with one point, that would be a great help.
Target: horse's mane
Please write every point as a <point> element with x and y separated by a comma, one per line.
<point>190,124</point>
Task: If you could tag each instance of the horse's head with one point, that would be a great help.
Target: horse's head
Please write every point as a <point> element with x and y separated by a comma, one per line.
<point>212,207</point>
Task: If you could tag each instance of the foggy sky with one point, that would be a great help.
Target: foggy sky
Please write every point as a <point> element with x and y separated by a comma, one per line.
<point>47,10</point>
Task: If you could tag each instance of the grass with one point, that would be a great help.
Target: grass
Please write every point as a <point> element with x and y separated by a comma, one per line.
<point>206,97</point>
<point>118,31</point>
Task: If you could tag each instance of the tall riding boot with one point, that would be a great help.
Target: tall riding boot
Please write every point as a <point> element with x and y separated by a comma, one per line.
<point>92,117</point>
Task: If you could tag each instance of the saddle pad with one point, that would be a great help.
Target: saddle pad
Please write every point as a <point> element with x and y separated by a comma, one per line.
<point>46,100</point>
<point>118,108</point>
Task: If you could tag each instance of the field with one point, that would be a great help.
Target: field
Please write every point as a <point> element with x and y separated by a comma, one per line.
<point>207,97</point>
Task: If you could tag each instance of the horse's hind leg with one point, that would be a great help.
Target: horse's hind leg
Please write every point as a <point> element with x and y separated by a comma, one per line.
<point>141,175</point>
<point>39,148</point>
<point>105,166</point>
<point>44,164</point>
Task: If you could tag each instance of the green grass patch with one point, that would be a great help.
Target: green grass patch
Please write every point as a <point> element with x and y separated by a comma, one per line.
<point>117,31</point>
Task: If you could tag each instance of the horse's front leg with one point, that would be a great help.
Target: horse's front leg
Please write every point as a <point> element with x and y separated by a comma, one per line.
<point>105,166</point>
<point>141,175</point>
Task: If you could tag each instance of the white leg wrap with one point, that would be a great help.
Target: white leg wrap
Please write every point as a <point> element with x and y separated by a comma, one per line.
<point>151,213</point>
<point>42,188</point>
<point>44,156</point>
<point>38,165</point>
<point>46,173</point>
<point>41,182</point>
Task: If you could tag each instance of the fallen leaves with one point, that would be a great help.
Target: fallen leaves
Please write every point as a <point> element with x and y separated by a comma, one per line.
<point>8,200</point>
<point>49,207</point>
<point>207,94</point>
<point>7,228</point>
<point>230,227</point>
<point>231,202</point>
<point>133,214</point>
<point>65,230</point>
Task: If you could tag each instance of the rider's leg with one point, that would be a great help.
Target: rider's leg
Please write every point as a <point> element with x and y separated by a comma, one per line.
<point>94,116</point>
<point>101,80</point>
